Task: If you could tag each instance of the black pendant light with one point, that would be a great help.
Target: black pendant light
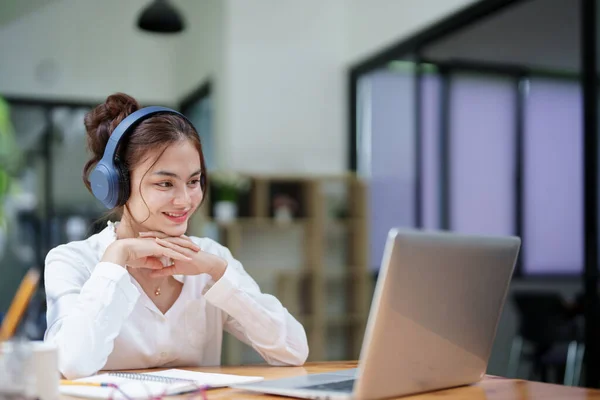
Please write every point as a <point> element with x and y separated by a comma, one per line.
<point>160,17</point>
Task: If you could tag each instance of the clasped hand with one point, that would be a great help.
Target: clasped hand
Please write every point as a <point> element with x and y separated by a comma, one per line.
<point>146,250</point>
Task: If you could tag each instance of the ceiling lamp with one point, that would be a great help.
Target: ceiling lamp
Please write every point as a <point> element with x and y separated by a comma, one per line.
<point>160,17</point>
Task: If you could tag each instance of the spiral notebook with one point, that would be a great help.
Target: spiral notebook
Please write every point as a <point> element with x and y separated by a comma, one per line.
<point>151,384</point>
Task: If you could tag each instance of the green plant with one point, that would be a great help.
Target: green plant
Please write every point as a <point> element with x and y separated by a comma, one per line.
<point>228,185</point>
<point>10,155</point>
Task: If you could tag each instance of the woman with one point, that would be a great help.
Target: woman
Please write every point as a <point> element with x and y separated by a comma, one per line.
<point>141,294</point>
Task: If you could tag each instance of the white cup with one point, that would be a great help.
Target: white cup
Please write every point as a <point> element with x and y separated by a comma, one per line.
<point>34,369</point>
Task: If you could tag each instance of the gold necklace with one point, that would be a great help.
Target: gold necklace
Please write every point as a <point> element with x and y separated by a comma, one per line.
<point>156,290</point>
<point>169,263</point>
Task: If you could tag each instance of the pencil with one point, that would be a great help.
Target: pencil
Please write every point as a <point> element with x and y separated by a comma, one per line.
<point>19,304</point>
<point>66,382</point>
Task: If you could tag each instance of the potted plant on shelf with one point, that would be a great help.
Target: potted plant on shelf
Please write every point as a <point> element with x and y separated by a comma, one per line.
<point>227,187</point>
<point>10,160</point>
<point>284,208</point>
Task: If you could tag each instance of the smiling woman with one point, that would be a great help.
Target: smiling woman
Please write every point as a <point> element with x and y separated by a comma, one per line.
<point>142,294</point>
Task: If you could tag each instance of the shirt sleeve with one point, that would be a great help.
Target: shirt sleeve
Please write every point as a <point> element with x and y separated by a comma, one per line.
<point>256,318</point>
<point>85,311</point>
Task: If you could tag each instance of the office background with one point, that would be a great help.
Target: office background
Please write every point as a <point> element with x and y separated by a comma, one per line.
<point>457,114</point>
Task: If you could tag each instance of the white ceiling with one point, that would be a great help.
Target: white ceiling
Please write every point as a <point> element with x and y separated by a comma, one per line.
<point>11,10</point>
<point>535,33</point>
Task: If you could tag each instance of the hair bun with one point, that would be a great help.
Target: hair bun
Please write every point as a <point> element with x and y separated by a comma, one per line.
<point>102,120</point>
<point>100,123</point>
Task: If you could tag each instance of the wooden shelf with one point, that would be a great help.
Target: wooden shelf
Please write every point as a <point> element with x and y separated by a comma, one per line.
<point>304,290</point>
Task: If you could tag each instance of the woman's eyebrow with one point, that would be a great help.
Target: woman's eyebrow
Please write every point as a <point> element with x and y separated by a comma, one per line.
<point>174,175</point>
<point>196,173</point>
<point>166,173</point>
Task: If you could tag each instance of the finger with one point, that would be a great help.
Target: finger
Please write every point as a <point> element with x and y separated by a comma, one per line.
<point>174,246</point>
<point>182,240</point>
<point>146,262</point>
<point>169,252</point>
<point>187,243</point>
<point>160,235</point>
<point>152,263</point>
<point>163,272</point>
<point>153,234</point>
<point>150,248</point>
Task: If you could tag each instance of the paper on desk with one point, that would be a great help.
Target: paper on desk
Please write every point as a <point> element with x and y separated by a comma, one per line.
<point>208,379</point>
<point>140,389</point>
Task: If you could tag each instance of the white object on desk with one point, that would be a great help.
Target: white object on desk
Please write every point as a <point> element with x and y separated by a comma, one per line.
<point>143,389</point>
<point>35,366</point>
<point>207,379</point>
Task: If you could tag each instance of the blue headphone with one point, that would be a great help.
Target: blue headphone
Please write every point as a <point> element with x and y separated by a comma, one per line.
<point>110,179</point>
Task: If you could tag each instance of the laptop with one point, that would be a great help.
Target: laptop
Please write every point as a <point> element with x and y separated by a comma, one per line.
<point>432,323</point>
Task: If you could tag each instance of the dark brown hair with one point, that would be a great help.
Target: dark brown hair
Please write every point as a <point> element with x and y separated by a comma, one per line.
<point>156,132</point>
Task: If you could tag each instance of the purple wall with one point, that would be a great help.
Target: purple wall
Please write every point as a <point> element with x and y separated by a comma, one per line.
<point>482,158</point>
<point>553,236</point>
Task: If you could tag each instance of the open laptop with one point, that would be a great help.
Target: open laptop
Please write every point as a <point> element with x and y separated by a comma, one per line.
<point>432,323</point>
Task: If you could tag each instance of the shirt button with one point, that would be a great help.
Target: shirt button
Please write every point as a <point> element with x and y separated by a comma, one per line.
<point>163,354</point>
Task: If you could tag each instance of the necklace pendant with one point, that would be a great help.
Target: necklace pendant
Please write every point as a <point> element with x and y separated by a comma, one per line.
<point>157,291</point>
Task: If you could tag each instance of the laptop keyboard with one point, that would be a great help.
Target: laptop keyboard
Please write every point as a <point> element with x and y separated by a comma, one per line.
<point>341,386</point>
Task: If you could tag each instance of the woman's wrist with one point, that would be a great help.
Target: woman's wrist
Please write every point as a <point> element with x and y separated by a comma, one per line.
<point>115,253</point>
<point>218,269</point>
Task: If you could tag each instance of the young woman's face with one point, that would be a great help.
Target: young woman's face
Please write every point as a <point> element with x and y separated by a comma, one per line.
<point>164,195</point>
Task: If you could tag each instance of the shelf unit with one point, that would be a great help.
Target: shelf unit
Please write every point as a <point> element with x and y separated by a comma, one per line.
<point>325,283</point>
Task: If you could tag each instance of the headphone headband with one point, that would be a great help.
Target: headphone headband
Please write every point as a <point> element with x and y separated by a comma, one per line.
<point>130,122</point>
<point>109,184</point>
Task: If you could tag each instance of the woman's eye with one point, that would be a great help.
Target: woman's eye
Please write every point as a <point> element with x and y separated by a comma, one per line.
<point>195,182</point>
<point>164,184</point>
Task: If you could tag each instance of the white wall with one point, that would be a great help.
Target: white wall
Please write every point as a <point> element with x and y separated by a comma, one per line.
<point>85,50</point>
<point>285,85</point>
<point>200,47</point>
<point>376,24</point>
<point>201,58</point>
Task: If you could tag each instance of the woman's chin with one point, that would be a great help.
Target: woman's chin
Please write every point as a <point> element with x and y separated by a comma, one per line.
<point>175,230</point>
<point>168,227</point>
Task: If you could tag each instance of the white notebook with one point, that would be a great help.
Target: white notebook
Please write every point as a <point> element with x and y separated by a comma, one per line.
<point>151,384</point>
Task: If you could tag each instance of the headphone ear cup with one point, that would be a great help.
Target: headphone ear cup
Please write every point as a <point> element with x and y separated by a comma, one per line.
<point>124,183</point>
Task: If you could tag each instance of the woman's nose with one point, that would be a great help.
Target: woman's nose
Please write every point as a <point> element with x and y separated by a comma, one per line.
<point>182,197</point>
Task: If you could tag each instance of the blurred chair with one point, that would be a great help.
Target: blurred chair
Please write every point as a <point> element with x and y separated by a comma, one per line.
<point>549,329</point>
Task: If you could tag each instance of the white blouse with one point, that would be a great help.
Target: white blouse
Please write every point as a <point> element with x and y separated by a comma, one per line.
<point>100,318</point>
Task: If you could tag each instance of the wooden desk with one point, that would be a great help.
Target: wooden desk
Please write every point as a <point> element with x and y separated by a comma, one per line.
<point>490,388</point>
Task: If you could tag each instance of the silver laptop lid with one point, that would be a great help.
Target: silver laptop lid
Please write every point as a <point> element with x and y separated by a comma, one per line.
<point>435,312</point>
